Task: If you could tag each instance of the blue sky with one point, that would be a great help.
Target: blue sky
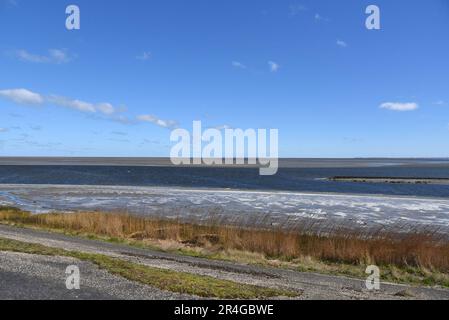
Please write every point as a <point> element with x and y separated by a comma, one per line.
<point>311,69</point>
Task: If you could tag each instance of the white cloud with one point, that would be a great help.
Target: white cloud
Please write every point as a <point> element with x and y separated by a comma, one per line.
<point>439,103</point>
<point>144,56</point>
<point>110,112</point>
<point>57,56</point>
<point>3,130</point>
<point>342,43</point>
<point>274,67</point>
<point>157,121</point>
<point>72,103</point>
<point>399,106</point>
<point>237,64</point>
<point>105,108</point>
<point>22,96</point>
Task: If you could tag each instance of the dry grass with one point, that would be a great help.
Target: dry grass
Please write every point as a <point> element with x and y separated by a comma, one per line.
<point>423,250</point>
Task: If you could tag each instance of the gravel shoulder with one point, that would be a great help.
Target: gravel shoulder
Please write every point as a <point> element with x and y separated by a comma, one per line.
<point>25,276</point>
<point>38,277</point>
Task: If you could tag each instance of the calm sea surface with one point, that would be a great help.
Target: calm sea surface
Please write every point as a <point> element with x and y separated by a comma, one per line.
<point>303,179</point>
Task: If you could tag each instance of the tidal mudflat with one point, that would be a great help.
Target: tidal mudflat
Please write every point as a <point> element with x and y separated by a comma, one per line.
<point>263,208</point>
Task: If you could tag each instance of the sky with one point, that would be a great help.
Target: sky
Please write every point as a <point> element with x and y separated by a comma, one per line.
<point>135,70</point>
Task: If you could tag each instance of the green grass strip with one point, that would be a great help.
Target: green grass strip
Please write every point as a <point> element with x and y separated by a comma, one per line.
<point>180,282</point>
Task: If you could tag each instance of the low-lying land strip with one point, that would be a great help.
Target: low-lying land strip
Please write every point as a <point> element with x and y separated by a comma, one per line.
<point>21,274</point>
<point>406,180</point>
<point>420,258</point>
<point>24,275</point>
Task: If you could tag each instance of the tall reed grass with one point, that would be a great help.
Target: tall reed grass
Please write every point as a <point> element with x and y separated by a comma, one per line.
<point>424,249</point>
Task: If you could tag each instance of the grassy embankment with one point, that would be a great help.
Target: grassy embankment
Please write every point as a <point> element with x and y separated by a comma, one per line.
<point>417,258</point>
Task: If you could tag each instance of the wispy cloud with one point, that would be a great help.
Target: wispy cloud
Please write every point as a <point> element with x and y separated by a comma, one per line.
<point>144,56</point>
<point>399,106</point>
<point>157,121</point>
<point>15,115</point>
<point>14,3</point>
<point>342,43</point>
<point>36,128</point>
<point>36,144</point>
<point>120,118</point>
<point>56,56</point>
<point>22,96</point>
<point>119,133</point>
<point>119,140</point>
<point>439,103</point>
<point>296,9</point>
<point>104,107</point>
<point>239,65</point>
<point>319,17</point>
<point>27,97</point>
<point>148,141</point>
<point>274,67</point>
<point>2,130</point>
<point>72,103</point>
<point>107,110</point>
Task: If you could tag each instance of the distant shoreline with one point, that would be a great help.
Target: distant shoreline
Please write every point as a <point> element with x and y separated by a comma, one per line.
<point>407,180</point>
<point>165,162</point>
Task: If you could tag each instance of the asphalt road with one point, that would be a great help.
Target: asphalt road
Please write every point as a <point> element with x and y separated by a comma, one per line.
<point>37,277</point>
